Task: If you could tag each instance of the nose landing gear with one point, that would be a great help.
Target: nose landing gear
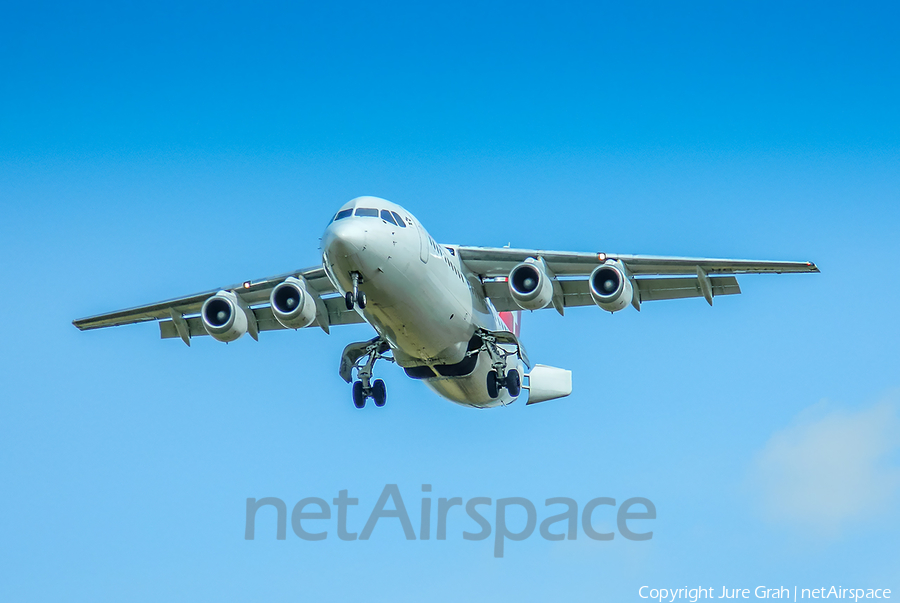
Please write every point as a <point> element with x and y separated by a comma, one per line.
<point>355,297</point>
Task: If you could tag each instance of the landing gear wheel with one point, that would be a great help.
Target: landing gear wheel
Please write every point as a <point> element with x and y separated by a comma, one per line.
<point>493,387</point>
<point>359,398</point>
<point>379,393</point>
<point>513,383</point>
<point>348,300</point>
<point>360,299</point>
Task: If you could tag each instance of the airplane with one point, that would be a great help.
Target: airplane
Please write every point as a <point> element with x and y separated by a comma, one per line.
<point>449,315</point>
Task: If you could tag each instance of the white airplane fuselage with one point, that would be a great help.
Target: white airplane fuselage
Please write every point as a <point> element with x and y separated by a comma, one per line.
<point>420,297</point>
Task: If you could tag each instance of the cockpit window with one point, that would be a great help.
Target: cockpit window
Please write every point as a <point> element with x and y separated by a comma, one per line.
<point>387,217</point>
<point>367,212</point>
<point>344,213</point>
<point>398,219</point>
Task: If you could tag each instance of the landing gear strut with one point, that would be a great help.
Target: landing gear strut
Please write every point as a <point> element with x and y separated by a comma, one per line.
<point>365,388</point>
<point>355,297</point>
<point>498,377</point>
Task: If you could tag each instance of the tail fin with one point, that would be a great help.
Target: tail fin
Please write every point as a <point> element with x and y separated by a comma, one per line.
<point>513,321</point>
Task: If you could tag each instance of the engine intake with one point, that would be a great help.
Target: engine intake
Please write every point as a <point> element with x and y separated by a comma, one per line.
<point>530,285</point>
<point>224,317</point>
<point>292,304</point>
<point>610,288</point>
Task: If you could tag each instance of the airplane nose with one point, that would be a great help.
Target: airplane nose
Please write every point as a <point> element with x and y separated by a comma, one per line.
<point>344,238</point>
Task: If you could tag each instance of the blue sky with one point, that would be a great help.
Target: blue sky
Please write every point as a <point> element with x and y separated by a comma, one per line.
<point>153,151</point>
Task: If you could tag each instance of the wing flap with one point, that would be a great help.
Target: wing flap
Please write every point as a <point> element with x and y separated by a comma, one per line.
<point>338,314</point>
<point>576,292</point>
<point>654,289</point>
<point>265,321</point>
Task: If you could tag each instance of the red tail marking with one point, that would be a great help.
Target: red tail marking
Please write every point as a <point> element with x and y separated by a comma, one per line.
<point>513,321</point>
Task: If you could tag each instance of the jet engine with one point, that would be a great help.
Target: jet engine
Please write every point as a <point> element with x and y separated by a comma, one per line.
<point>530,285</point>
<point>224,316</point>
<point>610,288</point>
<point>292,304</point>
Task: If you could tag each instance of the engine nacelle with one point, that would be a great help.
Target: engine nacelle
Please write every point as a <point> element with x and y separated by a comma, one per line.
<point>610,288</point>
<point>530,285</point>
<point>292,304</point>
<point>224,317</point>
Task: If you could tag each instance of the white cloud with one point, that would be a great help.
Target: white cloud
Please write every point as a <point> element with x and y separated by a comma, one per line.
<point>832,466</point>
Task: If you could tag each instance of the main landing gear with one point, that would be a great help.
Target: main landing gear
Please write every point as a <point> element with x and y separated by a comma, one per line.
<point>377,391</point>
<point>355,297</point>
<point>512,382</point>
<point>498,377</point>
<point>365,388</point>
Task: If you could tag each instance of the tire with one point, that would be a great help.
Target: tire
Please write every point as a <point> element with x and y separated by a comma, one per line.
<point>348,300</point>
<point>359,398</point>
<point>493,388</point>
<point>379,393</point>
<point>361,299</point>
<point>513,383</point>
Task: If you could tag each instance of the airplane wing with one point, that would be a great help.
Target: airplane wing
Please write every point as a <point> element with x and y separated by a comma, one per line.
<point>185,311</point>
<point>682,277</point>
